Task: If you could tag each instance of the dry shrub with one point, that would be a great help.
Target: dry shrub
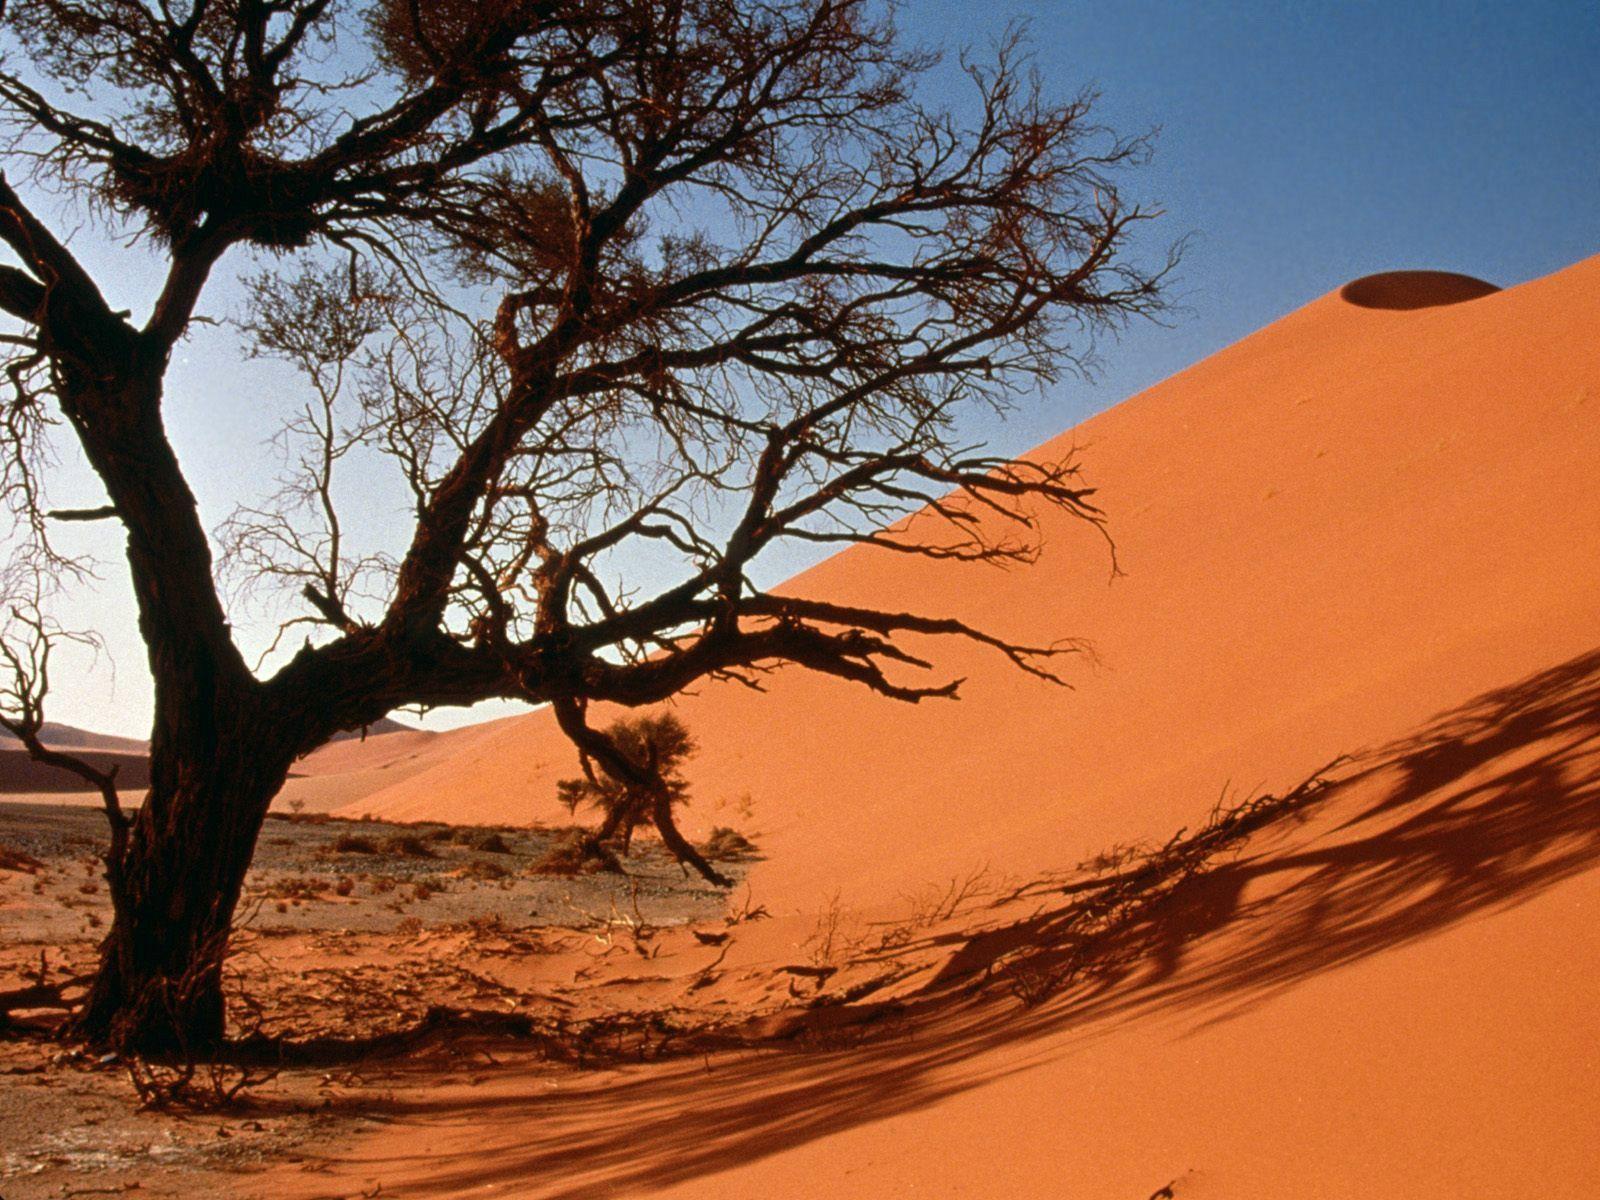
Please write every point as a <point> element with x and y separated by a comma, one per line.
<point>484,869</point>
<point>345,886</point>
<point>12,859</point>
<point>576,852</point>
<point>658,743</point>
<point>294,887</point>
<point>409,845</point>
<point>492,843</point>
<point>728,844</point>
<point>351,843</point>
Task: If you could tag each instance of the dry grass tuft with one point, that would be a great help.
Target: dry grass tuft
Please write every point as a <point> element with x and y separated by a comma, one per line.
<point>727,844</point>
<point>409,845</point>
<point>12,859</point>
<point>575,852</point>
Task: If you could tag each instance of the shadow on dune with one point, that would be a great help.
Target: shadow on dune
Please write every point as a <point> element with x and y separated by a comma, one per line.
<point>1402,290</point>
<point>1481,810</point>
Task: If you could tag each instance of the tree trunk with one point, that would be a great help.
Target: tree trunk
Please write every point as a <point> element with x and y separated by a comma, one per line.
<point>158,991</point>
<point>218,753</point>
<point>661,814</point>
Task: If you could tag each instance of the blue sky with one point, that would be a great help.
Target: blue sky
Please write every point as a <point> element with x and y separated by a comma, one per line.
<point>1307,144</point>
<point>1301,145</point>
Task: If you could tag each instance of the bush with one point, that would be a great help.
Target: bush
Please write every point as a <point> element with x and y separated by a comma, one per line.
<point>409,845</point>
<point>576,852</point>
<point>728,844</point>
<point>657,743</point>
<point>492,843</point>
<point>350,843</point>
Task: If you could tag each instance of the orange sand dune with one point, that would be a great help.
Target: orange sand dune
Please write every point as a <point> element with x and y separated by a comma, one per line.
<point>345,773</point>
<point>352,767</point>
<point>1328,532</point>
<point>1367,530</point>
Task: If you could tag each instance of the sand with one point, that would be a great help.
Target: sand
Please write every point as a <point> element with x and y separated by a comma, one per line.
<point>1328,533</point>
<point>1366,531</point>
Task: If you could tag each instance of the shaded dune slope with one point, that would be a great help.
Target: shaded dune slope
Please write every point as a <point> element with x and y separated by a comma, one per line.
<point>354,764</point>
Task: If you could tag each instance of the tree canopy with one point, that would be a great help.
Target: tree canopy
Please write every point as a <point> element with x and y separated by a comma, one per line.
<point>603,281</point>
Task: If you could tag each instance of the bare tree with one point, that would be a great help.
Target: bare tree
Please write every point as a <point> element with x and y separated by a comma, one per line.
<point>604,280</point>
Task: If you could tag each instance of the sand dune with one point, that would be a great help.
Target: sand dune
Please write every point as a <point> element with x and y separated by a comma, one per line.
<point>22,778</point>
<point>349,767</point>
<point>1365,533</point>
<point>1329,532</point>
<point>1367,530</point>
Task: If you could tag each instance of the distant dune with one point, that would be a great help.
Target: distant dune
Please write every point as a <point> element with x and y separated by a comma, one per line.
<point>360,773</point>
<point>21,777</point>
<point>68,737</point>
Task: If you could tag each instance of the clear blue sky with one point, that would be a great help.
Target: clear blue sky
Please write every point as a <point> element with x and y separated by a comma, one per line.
<point>1301,145</point>
<point>1306,144</point>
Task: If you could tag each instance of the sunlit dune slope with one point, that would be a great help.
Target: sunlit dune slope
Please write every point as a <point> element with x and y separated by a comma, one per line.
<point>1368,530</point>
<point>1327,533</point>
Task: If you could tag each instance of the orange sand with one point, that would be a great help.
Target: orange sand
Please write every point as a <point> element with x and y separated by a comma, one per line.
<point>1329,532</point>
<point>1339,536</point>
<point>1369,530</point>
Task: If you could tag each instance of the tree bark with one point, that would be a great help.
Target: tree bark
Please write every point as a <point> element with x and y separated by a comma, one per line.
<point>158,990</point>
<point>661,814</point>
<point>218,752</point>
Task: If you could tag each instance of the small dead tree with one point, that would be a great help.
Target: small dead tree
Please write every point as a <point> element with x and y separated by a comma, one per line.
<point>28,640</point>
<point>602,280</point>
<point>657,744</point>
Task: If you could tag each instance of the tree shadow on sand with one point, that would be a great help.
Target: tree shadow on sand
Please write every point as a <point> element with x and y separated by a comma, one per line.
<point>1483,809</point>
